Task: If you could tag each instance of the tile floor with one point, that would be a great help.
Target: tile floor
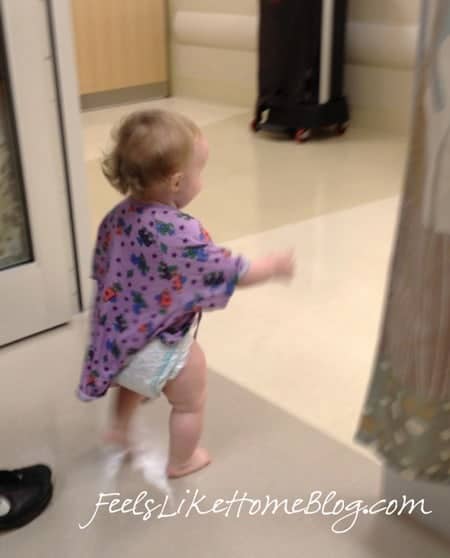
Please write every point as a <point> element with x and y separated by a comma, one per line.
<point>260,452</point>
<point>297,355</point>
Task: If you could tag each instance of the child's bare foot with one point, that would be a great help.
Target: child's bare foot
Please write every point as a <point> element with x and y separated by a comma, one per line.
<point>199,460</point>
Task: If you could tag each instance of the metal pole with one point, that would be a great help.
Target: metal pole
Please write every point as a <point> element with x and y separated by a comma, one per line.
<point>326,54</point>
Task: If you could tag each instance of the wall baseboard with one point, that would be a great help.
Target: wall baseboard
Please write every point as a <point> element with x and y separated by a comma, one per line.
<point>125,95</point>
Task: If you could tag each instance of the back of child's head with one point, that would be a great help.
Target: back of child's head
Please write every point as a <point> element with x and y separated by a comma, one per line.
<point>149,147</point>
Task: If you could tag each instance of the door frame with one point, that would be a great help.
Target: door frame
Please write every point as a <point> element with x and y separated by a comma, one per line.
<point>42,292</point>
<point>60,19</point>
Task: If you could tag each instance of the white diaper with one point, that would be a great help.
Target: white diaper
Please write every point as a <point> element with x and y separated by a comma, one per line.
<point>149,370</point>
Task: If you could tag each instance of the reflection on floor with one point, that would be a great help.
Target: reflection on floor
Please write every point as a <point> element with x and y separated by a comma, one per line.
<point>255,183</point>
<point>308,346</point>
<point>290,363</point>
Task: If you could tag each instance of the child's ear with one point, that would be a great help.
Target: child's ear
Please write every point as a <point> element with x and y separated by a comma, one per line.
<point>175,181</point>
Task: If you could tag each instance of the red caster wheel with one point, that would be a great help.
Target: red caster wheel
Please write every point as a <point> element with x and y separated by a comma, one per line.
<point>342,128</point>
<point>302,135</point>
<point>255,126</point>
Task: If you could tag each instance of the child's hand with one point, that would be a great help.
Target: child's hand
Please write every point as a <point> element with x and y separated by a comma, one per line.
<point>277,266</point>
<point>284,265</point>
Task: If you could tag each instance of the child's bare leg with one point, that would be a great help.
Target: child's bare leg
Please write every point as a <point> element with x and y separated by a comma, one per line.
<point>187,395</point>
<point>125,406</point>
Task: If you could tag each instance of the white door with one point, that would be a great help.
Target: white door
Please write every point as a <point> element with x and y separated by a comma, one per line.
<point>38,287</point>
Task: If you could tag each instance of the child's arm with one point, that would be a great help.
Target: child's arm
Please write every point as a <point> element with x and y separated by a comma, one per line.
<point>267,268</point>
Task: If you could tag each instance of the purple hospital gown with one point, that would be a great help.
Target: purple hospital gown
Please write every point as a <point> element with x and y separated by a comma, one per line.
<point>156,269</point>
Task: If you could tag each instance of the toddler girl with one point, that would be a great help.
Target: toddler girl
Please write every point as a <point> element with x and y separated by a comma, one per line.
<point>156,270</point>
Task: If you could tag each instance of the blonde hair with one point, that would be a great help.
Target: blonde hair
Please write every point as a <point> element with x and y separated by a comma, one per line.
<point>149,146</point>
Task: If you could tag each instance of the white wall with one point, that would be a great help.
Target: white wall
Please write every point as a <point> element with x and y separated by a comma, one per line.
<point>378,84</point>
<point>213,51</point>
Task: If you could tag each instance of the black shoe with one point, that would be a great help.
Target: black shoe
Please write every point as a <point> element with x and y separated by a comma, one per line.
<point>24,495</point>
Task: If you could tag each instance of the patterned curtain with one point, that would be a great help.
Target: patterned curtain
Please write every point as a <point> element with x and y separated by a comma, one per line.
<point>407,413</point>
